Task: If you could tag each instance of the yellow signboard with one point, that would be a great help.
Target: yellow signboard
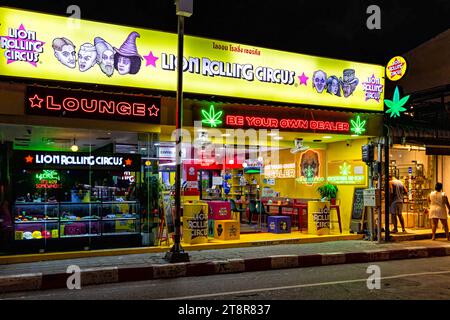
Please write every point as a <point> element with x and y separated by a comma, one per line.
<point>347,172</point>
<point>42,46</point>
<point>396,68</point>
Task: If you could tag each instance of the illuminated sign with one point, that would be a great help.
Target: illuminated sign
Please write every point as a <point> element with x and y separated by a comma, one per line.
<point>42,46</point>
<point>59,160</point>
<point>274,123</point>
<point>48,175</point>
<point>396,68</point>
<point>358,126</point>
<point>280,170</point>
<point>373,88</point>
<point>347,172</point>
<point>309,167</point>
<point>395,106</point>
<point>83,104</point>
<point>48,179</point>
<point>211,118</point>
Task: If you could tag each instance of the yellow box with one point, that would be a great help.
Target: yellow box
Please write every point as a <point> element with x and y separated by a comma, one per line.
<point>55,233</point>
<point>319,217</point>
<point>195,222</point>
<point>18,235</point>
<point>227,229</point>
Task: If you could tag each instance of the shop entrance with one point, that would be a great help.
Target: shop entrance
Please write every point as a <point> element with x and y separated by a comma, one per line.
<point>78,189</point>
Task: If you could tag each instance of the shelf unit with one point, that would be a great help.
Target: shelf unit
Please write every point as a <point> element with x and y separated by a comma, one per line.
<point>68,219</point>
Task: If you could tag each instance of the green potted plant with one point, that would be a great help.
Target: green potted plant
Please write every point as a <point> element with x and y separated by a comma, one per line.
<point>151,198</point>
<point>328,192</point>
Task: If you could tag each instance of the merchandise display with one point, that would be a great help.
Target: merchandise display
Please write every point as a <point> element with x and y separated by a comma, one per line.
<point>75,219</point>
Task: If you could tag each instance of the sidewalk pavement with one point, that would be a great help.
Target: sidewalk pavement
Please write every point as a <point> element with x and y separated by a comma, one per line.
<point>138,267</point>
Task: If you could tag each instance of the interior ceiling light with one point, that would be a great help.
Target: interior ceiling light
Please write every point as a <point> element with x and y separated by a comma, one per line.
<point>74,147</point>
<point>299,147</point>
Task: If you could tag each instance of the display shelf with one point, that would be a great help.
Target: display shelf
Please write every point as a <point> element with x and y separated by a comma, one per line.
<point>94,217</point>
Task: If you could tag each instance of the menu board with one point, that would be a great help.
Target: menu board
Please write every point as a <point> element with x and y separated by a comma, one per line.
<point>358,203</point>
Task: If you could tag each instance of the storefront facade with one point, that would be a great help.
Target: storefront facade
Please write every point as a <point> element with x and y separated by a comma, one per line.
<point>87,122</point>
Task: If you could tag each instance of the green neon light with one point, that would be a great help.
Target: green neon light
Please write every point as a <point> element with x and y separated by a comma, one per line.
<point>344,170</point>
<point>396,104</point>
<point>211,118</point>
<point>358,126</point>
<point>48,175</point>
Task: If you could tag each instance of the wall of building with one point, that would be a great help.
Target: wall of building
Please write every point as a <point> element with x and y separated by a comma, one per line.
<point>428,64</point>
<point>341,151</point>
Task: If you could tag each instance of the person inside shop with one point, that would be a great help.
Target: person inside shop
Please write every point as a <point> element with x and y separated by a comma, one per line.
<point>438,203</point>
<point>6,227</point>
<point>396,190</point>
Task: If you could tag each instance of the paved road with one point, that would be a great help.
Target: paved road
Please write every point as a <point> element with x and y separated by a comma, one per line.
<point>401,279</point>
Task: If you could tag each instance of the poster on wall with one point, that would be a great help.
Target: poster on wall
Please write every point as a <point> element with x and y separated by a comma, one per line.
<point>347,172</point>
<point>43,46</point>
<point>310,167</point>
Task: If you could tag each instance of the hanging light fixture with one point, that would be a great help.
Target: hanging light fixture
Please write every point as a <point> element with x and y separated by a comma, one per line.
<point>74,147</point>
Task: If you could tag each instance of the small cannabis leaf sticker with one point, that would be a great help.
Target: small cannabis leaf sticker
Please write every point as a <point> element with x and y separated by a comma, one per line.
<point>396,104</point>
<point>344,170</point>
<point>211,118</point>
<point>358,126</point>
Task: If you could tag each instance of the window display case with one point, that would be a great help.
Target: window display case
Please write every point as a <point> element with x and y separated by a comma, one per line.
<point>47,223</point>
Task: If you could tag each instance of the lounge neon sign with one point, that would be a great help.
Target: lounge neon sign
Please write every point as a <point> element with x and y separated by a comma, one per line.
<point>82,104</point>
<point>267,122</point>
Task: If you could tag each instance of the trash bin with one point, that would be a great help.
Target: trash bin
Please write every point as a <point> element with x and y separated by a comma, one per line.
<point>195,222</point>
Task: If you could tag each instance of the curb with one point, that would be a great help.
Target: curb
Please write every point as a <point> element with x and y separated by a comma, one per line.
<point>95,276</point>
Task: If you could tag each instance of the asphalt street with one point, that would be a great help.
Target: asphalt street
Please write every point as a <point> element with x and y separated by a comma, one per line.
<point>399,280</point>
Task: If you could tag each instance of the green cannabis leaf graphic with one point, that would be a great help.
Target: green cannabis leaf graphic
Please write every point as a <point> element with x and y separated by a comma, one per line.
<point>211,118</point>
<point>358,126</point>
<point>396,104</point>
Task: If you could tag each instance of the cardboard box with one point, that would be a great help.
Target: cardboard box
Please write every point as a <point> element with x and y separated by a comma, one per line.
<point>279,224</point>
<point>219,210</point>
<point>227,229</point>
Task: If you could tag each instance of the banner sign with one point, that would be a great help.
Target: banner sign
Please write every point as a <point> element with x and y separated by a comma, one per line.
<point>75,160</point>
<point>347,172</point>
<point>82,104</point>
<point>42,46</point>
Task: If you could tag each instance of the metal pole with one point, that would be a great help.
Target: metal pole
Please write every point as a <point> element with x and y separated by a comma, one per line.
<point>386,182</point>
<point>379,191</point>
<point>177,254</point>
<point>370,213</point>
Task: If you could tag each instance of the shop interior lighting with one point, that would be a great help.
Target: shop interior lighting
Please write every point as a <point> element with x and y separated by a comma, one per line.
<point>74,147</point>
<point>272,134</point>
<point>226,135</point>
<point>327,137</point>
<point>278,138</point>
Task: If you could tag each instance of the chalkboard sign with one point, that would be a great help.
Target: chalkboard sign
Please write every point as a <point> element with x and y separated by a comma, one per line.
<point>358,203</point>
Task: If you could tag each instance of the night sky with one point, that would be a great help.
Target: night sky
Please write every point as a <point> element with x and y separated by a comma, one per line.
<point>335,29</point>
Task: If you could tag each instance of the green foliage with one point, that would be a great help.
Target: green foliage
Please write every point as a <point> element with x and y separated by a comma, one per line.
<point>328,191</point>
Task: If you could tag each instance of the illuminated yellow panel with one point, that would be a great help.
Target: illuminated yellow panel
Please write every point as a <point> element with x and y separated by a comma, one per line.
<point>42,46</point>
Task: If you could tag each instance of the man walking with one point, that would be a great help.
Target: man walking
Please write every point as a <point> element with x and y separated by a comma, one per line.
<point>396,191</point>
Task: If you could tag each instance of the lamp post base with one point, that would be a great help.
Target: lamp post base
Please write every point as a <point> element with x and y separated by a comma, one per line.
<point>176,256</point>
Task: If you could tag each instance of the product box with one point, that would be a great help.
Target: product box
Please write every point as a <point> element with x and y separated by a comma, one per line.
<point>195,222</point>
<point>279,224</point>
<point>219,210</point>
<point>227,229</point>
<point>18,235</point>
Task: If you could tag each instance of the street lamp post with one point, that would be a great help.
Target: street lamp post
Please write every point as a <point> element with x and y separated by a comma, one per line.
<point>176,253</point>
